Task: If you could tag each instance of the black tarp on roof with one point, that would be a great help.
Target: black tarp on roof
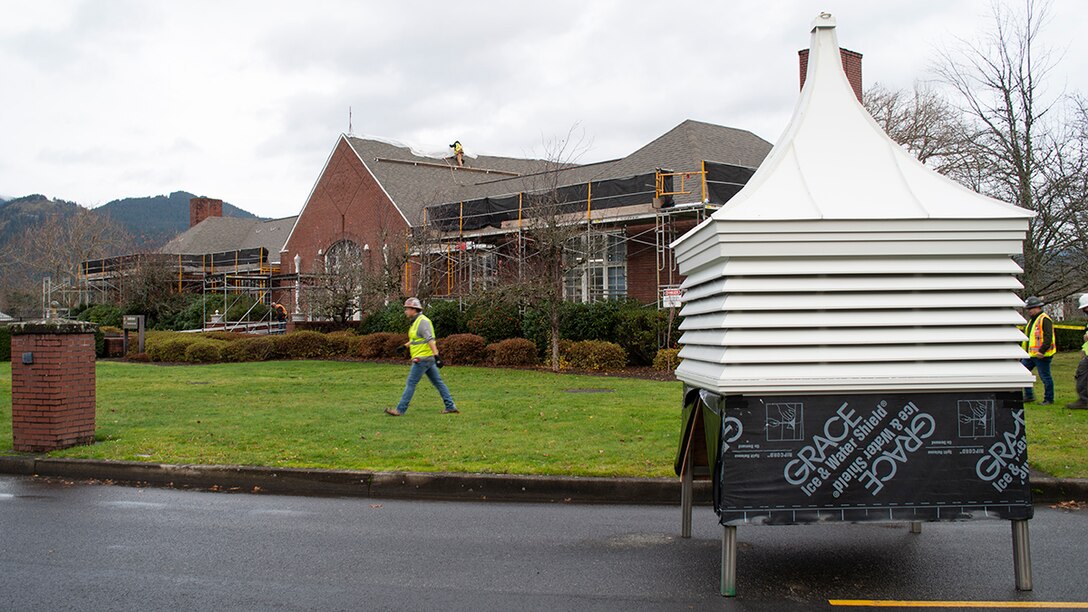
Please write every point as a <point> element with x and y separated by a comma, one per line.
<point>493,211</point>
<point>723,181</point>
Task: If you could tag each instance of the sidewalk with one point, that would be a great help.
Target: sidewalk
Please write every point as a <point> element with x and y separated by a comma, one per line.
<point>415,485</point>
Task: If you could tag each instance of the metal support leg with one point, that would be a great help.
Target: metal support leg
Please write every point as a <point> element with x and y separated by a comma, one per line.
<point>1021,555</point>
<point>729,561</point>
<point>916,526</point>
<point>686,494</point>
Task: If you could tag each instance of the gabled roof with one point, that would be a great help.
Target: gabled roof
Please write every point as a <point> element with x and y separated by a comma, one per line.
<point>685,146</point>
<point>221,234</point>
<point>414,182</point>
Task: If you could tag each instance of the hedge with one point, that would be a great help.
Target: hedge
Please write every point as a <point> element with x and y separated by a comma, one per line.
<point>204,351</point>
<point>463,349</point>
<point>302,345</point>
<point>254,348</point>
<point>597,355</point>
<point>5,343</point>
<point>381,345</point>
<point>667,359</point>
<point>1070,339</point>
<point>513,352</point>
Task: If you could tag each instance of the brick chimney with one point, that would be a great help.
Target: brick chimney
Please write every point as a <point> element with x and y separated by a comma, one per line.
<point>202,208</point>
<point>851,65</point>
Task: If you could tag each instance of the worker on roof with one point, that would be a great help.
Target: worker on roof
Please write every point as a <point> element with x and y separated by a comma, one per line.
<point>1041,347</point>
<point>458,152</point>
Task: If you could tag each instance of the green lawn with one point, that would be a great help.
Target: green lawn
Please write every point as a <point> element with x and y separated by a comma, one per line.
<point>328,414</point>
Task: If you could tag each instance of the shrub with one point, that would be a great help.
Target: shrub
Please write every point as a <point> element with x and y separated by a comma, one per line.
<point>302,345</point>
<point>5,343</point>
<point>380,345</point>
<point>203,351</point>
<point>463,348</point>
<point>138,357</point>
<point>494,321</point>
<point>99,342</point>
<point>1070,339</point>
<point>392,345</point>
<point>638,331</point>
<point>228,336</point>
<point>447,317</point>
<point>667,359</point>
<point>343,344</point>
<point>168,347</point>
<point>325,327</point>
<point>110,330</point>
<point>597,355</point>
<point>103,314</point>
<point>513,352</point>
<point>390,318</point>
<point>253,348</point>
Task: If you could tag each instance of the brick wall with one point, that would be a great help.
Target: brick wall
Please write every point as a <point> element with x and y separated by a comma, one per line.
<point>346,204</point>
<point>851,65</point>
<point>642,263</point>
<point>52,399</point>
<point>202,208</point>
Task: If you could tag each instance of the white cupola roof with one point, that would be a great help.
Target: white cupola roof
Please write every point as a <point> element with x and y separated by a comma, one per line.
<point>846,265</point>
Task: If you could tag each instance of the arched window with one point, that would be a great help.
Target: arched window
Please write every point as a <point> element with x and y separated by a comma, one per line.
<point>343,256</point>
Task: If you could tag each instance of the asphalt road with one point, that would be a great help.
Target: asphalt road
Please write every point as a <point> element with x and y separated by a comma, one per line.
<point>96,547</point>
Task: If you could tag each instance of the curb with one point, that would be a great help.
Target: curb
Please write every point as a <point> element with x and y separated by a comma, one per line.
<point>352,483</point>
<point>417,485</point>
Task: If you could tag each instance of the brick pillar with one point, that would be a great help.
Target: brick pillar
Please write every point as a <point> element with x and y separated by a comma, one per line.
<point>53,396</point>
<point>851,65</point>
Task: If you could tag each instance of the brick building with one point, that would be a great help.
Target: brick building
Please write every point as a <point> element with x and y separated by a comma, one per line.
<point>447,229</point>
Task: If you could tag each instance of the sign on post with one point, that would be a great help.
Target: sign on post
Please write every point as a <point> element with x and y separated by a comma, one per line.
<point>671,297</point>
<point>133,323</point>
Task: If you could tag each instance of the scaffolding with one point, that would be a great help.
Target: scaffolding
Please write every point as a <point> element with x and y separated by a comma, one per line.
<point>470,240</point>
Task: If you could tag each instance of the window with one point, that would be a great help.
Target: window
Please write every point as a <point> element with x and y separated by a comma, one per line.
<point>342,257</point>
<point>596,268</point>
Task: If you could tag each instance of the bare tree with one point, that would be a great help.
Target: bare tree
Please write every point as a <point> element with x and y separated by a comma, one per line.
<point>553,220</point>
<point>60,243</point>
<point>1028,147</point>
<point>926,124</point>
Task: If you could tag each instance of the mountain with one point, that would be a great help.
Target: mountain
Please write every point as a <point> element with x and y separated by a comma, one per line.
<point>152,221</point>
<point>19,214</point>
<point>155,220</point>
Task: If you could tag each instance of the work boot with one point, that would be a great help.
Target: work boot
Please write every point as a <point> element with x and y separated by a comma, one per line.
<point>1077,405</point>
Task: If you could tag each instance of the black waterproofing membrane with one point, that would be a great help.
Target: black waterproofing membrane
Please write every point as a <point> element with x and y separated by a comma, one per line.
<point>208,261</point>
<point>787,460</point>
<point>723,182</point>
<point>493,211</point>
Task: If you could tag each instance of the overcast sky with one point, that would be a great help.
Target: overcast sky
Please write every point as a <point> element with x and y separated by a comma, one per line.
<point>244,100</point>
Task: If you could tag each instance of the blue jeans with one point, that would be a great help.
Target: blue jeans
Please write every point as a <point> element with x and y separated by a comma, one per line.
<point>1043,365</point>
<point>425,365</point>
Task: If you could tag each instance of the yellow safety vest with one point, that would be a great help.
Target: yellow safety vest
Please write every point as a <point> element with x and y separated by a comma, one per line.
<point>1035,337</point>
<point>418,346</point>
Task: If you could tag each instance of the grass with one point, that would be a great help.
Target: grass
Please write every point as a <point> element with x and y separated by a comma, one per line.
<point>325,414</point>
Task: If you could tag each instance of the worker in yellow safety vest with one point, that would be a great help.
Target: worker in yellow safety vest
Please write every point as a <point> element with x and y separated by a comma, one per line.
<point>458,152</point>
<point>1041,347</point>
<point>1081,376</point>
<point>423,349</point>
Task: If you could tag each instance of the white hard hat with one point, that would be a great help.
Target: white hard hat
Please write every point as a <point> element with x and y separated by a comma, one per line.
<point>413,303</point>
<point>1083,302</point>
